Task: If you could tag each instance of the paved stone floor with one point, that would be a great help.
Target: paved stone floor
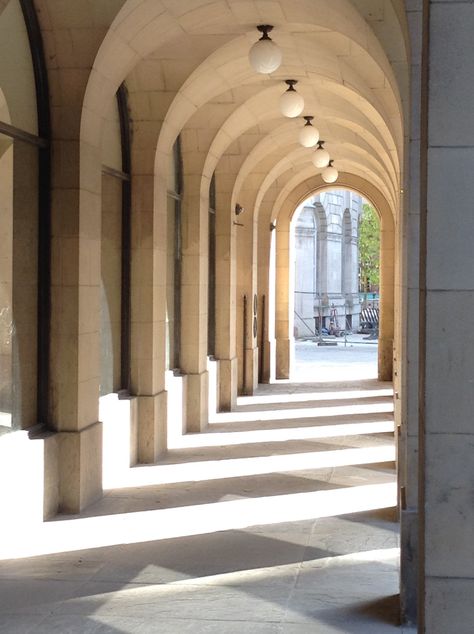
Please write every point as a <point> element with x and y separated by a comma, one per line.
<point>279,519</point>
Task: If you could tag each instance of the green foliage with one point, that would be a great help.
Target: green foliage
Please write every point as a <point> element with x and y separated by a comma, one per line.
<point>369,249</point>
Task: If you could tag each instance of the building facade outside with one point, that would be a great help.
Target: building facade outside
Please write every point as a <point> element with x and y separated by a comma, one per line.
<point>326,291</point>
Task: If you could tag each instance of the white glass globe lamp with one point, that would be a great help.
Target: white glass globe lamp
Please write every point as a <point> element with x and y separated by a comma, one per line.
<point>330,174</point>
<point>321,156</point>
<point>265,56</point>
<point>309,135</point>
<point>291,102</point>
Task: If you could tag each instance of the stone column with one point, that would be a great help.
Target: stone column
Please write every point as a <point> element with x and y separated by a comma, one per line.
<point>193,354</point>
<point>284,300</point>
<point>447,345</point>
<point>333,262</point>
<point>247,286</point>
<point>386,317</point>
<point>266,287</point>
<point>225,295</point>
<point>408,367</point>
<point>305,272</point>
<point>148,281</point>
<point>75,319</point>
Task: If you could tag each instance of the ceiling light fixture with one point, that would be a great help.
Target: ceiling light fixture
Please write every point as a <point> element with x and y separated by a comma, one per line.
<point>291,102</point>
<point>309,135</point>
<point>330,174</point>
<point>321,156</point>
<point>265,56</point>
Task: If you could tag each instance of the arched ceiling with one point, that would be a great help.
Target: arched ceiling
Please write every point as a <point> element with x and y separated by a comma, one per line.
<point>191,58</point>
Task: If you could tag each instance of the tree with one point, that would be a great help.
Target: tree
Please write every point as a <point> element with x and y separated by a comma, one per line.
<point>369,249</point>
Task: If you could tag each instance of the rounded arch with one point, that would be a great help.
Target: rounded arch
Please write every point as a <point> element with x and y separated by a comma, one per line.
<point>284,309</point>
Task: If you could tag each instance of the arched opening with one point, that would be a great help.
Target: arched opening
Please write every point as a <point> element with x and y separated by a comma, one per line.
<point>336,240</point>
<point>331,287</point>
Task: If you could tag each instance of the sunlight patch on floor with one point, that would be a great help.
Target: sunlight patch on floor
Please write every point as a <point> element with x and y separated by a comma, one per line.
<point>219,439</point>
<point>298,413</point>
<point>206,470</point>
<point>127,528</point>
<point>303,397</point>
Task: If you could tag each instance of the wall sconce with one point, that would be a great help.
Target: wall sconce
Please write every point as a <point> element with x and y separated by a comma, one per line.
<point>239,209</point>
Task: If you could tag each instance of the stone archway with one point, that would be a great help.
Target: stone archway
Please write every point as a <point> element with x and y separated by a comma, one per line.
<point>283,320</point>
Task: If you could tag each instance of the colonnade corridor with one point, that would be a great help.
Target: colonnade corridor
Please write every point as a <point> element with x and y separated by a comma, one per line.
<point>280,517</point>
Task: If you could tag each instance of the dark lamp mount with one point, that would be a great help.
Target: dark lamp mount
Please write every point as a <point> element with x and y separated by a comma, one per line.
<point>320,145</point>
<point>265,29</point>
<point>291,83</point>
<point>308,119</point>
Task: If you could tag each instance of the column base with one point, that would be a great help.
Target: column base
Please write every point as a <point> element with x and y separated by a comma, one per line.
<point>251,378</point>
<point>228,376</point>
<point>385,359</point>
<point>409,566</point>
<point>152,430</point>
<point>284,357</point>
<point>79,468</point>
<point>197,395</point>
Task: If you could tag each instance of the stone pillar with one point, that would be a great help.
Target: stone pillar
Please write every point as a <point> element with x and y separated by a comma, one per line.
<point>386,317</point>
<point>148,252</point>
<point>75,320</point>
<point>352,291</point>
<point>333,262</point>
<point>447,350</point>
<point>305,272</point>
<point>408,367</point>
<point>247,286</point>
<point>193,355</point>
<point>266,286</point>
<point>284,300</point>
<point>225,296</point>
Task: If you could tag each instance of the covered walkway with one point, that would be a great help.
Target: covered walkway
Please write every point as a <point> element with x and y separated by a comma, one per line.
<point>278,518</point>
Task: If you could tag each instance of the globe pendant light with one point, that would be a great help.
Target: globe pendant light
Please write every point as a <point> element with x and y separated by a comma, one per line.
<point>330,174</point>
<point>265,56</point>
<point>291,103</point>
<point>321,156</point>
<point>309,135</point>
